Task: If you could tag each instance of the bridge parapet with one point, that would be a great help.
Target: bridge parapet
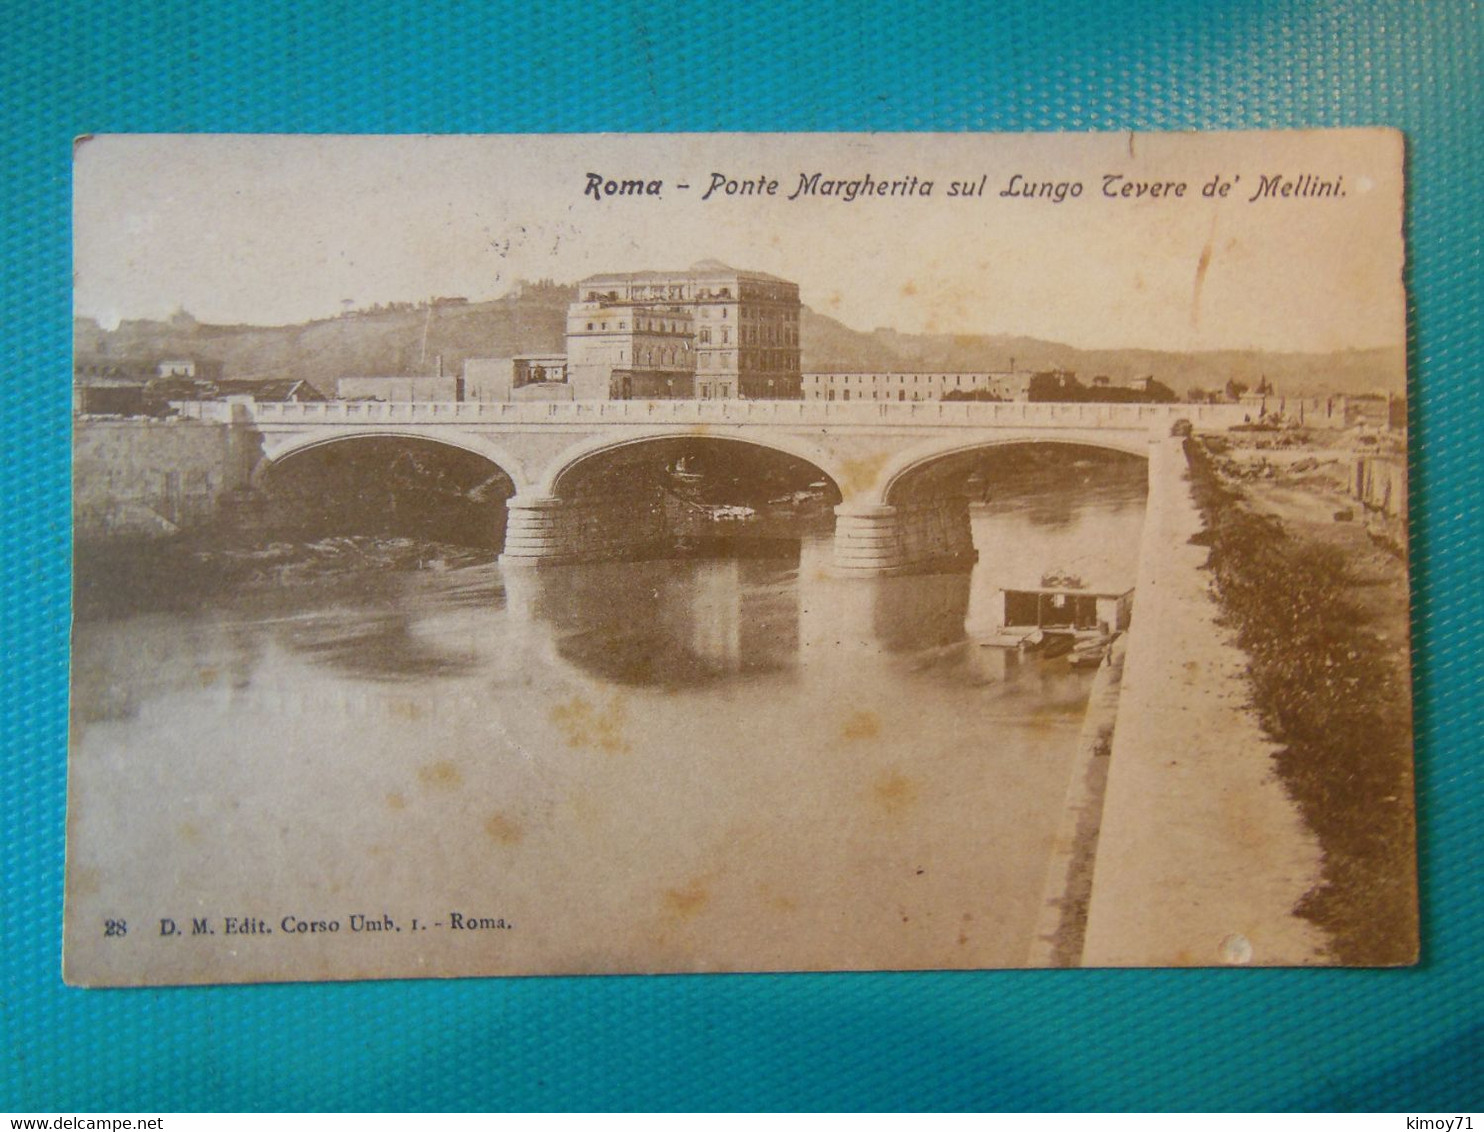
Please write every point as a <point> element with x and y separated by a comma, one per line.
<point>946,414</point>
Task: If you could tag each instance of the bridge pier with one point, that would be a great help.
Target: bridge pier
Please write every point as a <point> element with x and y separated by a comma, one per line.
<point>536,531</point>
<point>546,530</point>
<point>875,539</point>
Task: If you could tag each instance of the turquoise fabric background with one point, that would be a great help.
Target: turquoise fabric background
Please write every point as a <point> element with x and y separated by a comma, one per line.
<point>1407,1040</point>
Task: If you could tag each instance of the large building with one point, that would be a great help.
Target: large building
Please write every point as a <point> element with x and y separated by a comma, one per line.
<point>621,351</point>
<point>745,328</point>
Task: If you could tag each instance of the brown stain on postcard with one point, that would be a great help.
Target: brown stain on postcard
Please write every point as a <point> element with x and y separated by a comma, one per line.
<point>503,829</point>
<point>583,725</point>
<point>1202,265</point>
<point>410,710</point>
<point>861,725</point>
<point>894,793</point>
<point>685,903</point>
<point>857,474</point>
<point>442,775</point>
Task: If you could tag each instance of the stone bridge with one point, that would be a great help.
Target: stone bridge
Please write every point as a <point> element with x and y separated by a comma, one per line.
<point>882,457</point>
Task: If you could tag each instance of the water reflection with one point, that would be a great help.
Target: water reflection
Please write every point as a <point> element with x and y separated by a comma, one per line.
<point>669,624</point>
<point>374,644</point>
<point>666,624</point>
<point>837,758</point>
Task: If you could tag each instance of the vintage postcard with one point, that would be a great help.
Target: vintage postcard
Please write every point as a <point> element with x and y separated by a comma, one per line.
<point>585,554</point>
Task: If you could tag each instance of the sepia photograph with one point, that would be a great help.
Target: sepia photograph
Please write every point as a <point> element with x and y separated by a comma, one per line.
<point>592,554</point>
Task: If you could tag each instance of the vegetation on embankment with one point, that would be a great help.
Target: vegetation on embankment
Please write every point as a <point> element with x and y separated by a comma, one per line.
<point>1335,693</point>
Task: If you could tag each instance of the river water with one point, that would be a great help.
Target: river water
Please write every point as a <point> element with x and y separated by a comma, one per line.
<point>679,765</point>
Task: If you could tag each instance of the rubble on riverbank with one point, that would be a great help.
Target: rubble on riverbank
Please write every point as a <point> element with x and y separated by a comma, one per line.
<point>1320,609</point>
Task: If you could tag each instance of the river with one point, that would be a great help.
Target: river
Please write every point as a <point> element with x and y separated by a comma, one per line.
<point>676,765</point>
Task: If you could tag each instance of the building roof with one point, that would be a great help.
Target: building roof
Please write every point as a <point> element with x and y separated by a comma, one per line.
<point>271,389</point>
<point>699,269</point>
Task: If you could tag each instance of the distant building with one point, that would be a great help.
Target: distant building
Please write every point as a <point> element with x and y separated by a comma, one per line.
<point>527,377</point>
<point>746,325</point>
<point>401,387</point>
<point>110,397</point>
<point>1006,385</point>
<point>193,369</point>
<point>291,390</point>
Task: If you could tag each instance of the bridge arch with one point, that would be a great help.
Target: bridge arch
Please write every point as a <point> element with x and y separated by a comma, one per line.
<point>912,520</point>
<point>277,449</point>
<point>564,465</point>
<point>649,490</point>
<point>897,477</point>
<point>383,483</point>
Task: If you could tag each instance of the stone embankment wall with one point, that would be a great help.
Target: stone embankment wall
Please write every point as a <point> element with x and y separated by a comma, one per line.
<point>1202,855</point>
<point>143,478</point>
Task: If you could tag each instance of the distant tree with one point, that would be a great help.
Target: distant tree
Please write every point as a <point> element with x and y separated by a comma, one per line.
<point>1056,385</point>
<point>971,395</point>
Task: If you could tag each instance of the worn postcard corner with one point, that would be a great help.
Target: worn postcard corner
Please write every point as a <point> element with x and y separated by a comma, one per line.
<point>522,555</point>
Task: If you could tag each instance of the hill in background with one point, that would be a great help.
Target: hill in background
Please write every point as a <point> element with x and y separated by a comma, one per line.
<point>410,338</point>
<point>831,347</point>
<point>404,339</point>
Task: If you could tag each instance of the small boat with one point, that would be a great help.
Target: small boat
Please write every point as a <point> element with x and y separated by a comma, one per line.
<point>1029,640</point>
<point>682,471</point>
<point>732,513</point>
<point>1055,644</point>
<point>1089,652</point>
<point>1022,639</point>
<point>1086,658</point>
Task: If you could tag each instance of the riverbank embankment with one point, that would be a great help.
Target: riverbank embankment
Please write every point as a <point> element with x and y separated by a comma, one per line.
<point>139,478</point>
<point>1203,857</point>
<point>1319,600</point>
<point>1062,924</point>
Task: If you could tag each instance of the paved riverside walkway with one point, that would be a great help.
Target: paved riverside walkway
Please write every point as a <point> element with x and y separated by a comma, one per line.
<point>1201,856</point>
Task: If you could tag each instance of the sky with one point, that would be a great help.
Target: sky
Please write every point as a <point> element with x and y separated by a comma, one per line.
<point>274,230</point>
